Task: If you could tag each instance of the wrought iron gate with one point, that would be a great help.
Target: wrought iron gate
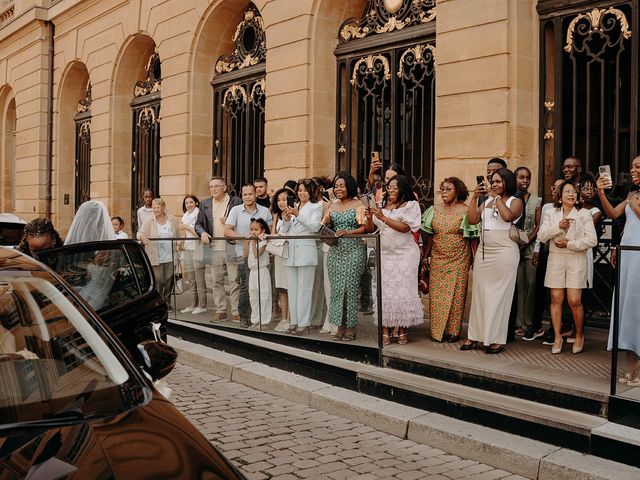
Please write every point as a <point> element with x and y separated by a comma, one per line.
<point>386,89</point>
<point>83,150</point>
<point>589,105</point>
<point>145,156</point>
<point>589,85</point>
<point>239,103</point>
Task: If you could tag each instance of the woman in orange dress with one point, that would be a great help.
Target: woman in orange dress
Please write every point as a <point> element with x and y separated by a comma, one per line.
<point>449,251</point>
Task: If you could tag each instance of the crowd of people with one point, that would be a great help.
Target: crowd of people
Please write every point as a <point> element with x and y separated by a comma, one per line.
<point>518,252</point>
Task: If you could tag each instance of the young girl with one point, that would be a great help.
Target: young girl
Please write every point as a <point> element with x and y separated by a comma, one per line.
<point>259,278</point>
<point>281,201</point>
<point>588,194</point>
<point>118,227</point>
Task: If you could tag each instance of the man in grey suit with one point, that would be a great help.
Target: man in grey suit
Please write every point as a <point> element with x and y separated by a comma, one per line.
<point>210,224</point>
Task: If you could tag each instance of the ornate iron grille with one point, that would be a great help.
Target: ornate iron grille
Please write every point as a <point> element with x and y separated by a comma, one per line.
<point>83,150</point>
<point>239,103</point>
<point>145,155</point>
<point>386,91</point>
<point>589,79</point>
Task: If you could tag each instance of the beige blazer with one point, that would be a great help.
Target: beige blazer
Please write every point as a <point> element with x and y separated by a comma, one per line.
<point>150,230</point>
<point>580,237</point>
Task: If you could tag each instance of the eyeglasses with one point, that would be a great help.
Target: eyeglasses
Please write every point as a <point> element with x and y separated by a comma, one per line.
<point>587,189</point>
<point>216,186</point>
<point>570,192</point>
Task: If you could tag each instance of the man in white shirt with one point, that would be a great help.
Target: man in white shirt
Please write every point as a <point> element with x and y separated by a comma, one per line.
<point>237,226</point>
<point>210,224</point>
<point>146,210</point>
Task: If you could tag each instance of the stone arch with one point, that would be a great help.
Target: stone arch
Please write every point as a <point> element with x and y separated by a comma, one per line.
<point>73,87</point>
<point>213,38</point>
<point>129,68</point>
<point>328,15</point>
<point>7,150</point>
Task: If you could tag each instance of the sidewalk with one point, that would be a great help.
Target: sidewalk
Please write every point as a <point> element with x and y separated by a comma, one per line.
<point>519,455</point>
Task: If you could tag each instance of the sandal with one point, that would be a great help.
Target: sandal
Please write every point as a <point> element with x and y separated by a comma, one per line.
<point>403,339</point>
<point>386,340</point>
<point>490,350</point>
<point>339,334</point>
<point>634,383</point>
<point>349,335</point>
<point>625,379</point>
<point>468,346</point>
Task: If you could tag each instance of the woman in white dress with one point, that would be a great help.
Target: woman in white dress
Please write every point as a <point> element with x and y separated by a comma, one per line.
<point>495,266</point>
<point>629,300</point>
<point>194,267</point>
<point>570,232</point>
<point>303,254</point>
<point>398,218</point>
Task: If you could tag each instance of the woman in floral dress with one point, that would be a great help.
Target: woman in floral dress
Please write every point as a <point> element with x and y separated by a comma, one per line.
<point>449,250</point>
<point>397,219</point>
<point>347,258</point>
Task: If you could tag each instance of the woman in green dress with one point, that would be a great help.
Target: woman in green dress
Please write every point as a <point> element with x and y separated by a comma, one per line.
<point>346,259</point>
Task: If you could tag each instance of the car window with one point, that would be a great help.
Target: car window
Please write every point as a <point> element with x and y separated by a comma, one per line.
<point>10,233</point>
<point>139,266</point>
<point>104,277</point>
<point>52,360</point>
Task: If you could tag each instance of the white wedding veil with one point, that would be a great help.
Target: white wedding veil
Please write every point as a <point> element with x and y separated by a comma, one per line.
<point>92,223</point>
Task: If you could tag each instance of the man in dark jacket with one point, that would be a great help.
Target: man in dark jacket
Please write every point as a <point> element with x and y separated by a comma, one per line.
<point>210,228</point>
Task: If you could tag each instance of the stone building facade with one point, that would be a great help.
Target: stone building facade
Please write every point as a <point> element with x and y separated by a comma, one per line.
<point>95,94</point>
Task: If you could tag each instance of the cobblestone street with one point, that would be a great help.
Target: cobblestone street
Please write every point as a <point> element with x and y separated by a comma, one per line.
<point>270,437</point>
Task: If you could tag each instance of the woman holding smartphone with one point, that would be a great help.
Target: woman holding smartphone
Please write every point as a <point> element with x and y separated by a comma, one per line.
<point>571,231</point>
<point>496,262</point>
<point>629,303</point>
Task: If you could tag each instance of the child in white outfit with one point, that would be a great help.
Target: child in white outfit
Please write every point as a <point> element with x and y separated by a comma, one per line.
<point>259,277</point>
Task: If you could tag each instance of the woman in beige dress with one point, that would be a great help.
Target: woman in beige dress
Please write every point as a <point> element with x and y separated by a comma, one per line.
<point>571,231</point>
<point>495,265</point>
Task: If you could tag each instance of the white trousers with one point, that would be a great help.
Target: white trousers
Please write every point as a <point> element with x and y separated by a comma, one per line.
<point>300,281</point>
<point>260,297</point>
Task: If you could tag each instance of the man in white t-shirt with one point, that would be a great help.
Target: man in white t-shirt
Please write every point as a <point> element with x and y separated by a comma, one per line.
<point>146,210</point>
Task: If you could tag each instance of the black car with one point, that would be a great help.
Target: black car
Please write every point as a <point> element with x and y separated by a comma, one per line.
<point>116,279</point>
<point>73,404</point>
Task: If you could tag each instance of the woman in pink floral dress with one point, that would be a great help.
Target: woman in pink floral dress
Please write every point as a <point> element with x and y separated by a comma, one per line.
<point>397,219</point>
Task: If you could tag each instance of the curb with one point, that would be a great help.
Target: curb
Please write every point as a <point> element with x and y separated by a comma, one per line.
<point>519,455</point>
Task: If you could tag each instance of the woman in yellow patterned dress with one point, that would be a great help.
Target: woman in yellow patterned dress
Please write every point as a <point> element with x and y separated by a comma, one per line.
<point>449,250</point>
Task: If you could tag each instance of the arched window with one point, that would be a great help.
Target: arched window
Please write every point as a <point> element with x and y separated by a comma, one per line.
<point>238,104</point>
<point>146,133</point>
<point>9,160</point>
<point>589,86</point>
<point>83,149</point>
<point>386,89</point>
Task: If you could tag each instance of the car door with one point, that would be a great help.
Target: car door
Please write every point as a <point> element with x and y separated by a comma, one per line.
<point>115,278</point>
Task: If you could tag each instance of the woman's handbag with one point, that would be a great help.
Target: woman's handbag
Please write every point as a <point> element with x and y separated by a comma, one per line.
<point>178,281</point>
<point>330,237</point>
<point>423,276</point>
<point>278,247</point>
<point>518,235</point>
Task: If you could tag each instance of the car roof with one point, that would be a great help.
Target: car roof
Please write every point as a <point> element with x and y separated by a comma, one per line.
<point>12,259</point>
<point>11,218</point>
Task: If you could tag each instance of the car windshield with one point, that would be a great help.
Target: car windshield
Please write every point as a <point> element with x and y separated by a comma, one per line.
<point>53,363</point>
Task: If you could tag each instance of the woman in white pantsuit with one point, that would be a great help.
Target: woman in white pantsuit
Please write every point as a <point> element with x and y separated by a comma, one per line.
<point>303,254</point>
<point>572,233</point>
<point>495,266</point>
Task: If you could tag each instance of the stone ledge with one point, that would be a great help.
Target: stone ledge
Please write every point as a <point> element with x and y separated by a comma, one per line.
<point>499,449</point>
<point>569,465</point>
<point>210,360</point>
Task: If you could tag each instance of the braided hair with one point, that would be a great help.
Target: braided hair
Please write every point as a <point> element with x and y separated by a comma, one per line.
<point>38,228</point>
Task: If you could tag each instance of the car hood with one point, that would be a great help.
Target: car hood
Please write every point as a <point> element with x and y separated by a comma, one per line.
<point>150,442</point>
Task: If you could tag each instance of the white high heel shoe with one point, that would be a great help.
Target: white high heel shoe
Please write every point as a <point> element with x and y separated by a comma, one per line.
<point>555,350</point>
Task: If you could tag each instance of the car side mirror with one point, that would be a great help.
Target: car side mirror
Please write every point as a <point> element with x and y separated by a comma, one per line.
<point>157,358</point>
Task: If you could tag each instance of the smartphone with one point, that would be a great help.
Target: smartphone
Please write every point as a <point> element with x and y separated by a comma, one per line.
<point>479,179</point>
<point>605,172</point>
<point>375,157</point>
<point>325,194</point>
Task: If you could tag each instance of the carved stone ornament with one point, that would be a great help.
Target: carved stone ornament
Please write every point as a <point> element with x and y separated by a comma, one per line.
<point>250,44</point>
<point>382,16</point>
<point>84,105</point>
<point>153,82</point>
<point>609,25</point>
